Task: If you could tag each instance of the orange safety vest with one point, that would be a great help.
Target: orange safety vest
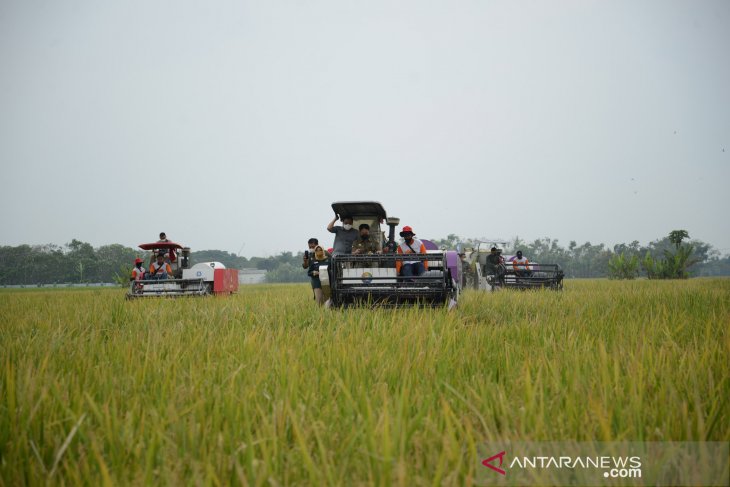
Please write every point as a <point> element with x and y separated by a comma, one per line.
<point>419,248</point>
<point>138,274</point>
<point>523,262</point>
<point>155,268</point>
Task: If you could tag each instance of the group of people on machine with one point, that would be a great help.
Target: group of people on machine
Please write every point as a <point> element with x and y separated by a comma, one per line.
<point>160,266</point>
<point>349,240</point>
<point>495,264</point>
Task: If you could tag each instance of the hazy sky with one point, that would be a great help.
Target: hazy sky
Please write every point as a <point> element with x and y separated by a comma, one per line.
<point>235,124</point>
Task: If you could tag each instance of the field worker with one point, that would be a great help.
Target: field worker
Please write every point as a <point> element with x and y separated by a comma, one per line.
<point>410,245</point>
<point>320,258</point>
<point>138,271</point>
<point>345,235</point>
<point>160,269</point>
<point>163,239</point>
<point>521,265</point>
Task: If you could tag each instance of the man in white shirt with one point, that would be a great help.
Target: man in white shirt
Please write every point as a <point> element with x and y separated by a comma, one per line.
<point>411,245</point>
<point>521,265</point>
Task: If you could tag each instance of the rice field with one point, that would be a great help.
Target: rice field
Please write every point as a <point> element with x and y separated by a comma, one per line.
<point>264,388</point>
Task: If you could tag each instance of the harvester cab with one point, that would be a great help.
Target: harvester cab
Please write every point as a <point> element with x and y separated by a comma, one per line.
<point>372,279</point>
<point>200,279</point>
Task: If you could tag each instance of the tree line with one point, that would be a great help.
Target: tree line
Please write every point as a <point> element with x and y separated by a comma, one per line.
<point>80,262</point>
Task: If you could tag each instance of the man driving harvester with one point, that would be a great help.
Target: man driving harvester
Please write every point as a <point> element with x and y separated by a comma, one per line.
<point>160,269</point>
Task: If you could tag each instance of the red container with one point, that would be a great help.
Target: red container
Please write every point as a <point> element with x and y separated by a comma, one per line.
<point>225,281</point>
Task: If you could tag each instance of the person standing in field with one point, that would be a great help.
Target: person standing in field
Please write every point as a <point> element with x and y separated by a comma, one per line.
<point>312,244</point>
<point>309,253</point>
<point>345,235</point>
<point>410,245</point>
<point>320,258</point>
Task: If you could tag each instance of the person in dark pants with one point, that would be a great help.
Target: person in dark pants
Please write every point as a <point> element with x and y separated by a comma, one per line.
<point>160,270</point>
<point>521,265</point>
<point>309,257</point>
<point>495,265</point>
<point>320,258</point>
<point>410,245</point>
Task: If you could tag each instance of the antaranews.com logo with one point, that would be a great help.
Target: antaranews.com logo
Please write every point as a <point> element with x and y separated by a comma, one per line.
<point>604,464</point>
<point>611,467</point>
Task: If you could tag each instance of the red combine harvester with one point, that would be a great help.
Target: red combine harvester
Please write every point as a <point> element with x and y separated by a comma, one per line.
<point>201,279</point>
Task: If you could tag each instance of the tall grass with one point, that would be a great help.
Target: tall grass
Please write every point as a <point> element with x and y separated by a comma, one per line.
<point>265,388</point>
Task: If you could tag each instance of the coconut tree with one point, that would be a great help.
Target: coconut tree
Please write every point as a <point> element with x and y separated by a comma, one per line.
<point>676,237</point>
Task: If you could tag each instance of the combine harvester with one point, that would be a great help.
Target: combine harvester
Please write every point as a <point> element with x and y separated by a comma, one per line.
<point>372,280</point>
<point>536,276</point>
<point>201,279</point>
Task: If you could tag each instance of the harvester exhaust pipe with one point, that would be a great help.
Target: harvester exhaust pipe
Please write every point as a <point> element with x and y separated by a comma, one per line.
<point>185,261</point>
<point>392,222</point>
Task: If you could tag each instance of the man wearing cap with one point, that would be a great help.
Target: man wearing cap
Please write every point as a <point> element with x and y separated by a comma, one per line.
<point>160,269</point>
<point>138,271</point>
<point>345,235</point>
<point>364,244</point>
<point>521,265</point>
<point>410,245</point>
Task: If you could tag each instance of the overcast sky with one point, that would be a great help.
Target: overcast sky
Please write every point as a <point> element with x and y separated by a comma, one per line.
<point>234,125</point>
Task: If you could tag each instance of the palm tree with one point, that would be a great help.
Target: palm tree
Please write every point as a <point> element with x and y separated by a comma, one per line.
<point>676,237</point>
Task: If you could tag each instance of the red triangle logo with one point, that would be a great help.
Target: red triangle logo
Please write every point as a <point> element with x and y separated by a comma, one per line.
<point>488,462</point>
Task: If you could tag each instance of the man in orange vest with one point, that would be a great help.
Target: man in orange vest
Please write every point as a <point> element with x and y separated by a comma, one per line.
<point>410,245</point>
<point>160,269</point>
<point>138,271</point>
